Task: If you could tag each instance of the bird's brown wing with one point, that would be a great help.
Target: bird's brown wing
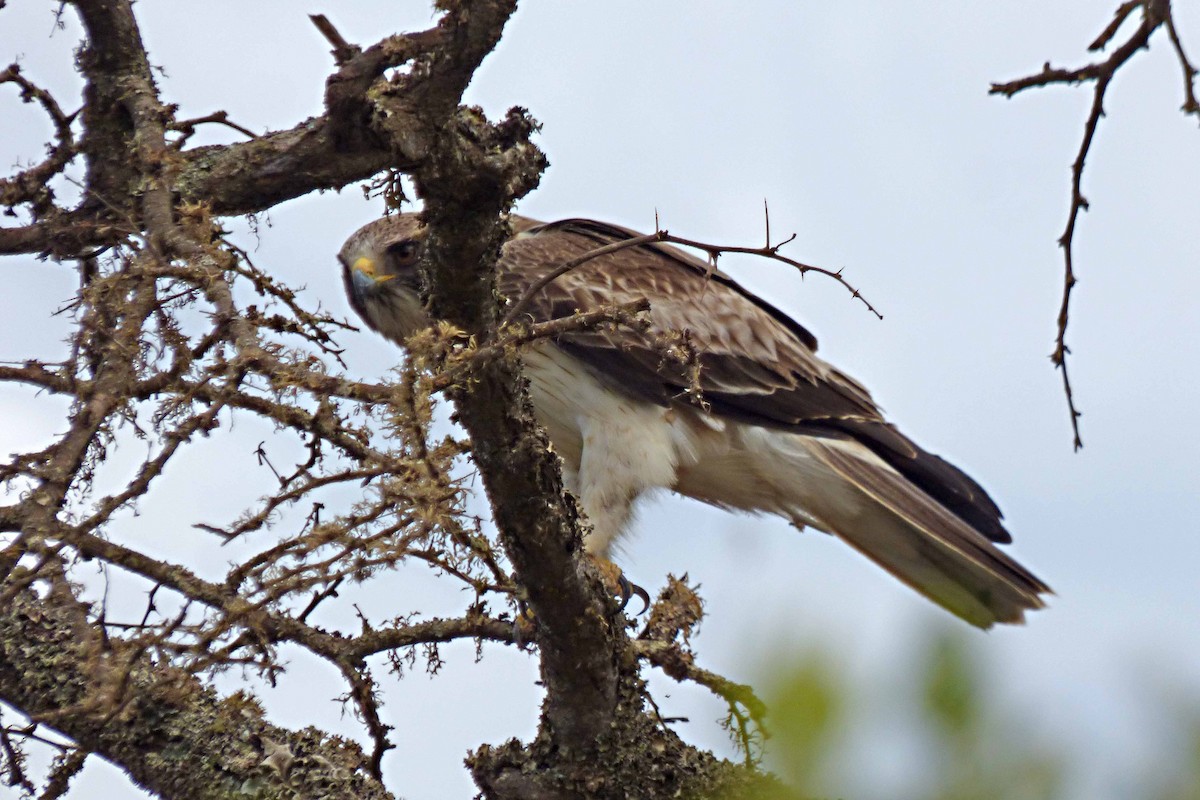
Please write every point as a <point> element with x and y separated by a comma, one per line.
<point>755,363</point>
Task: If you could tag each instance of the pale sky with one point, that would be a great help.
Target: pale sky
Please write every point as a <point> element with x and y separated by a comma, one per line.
<point>868,128</point>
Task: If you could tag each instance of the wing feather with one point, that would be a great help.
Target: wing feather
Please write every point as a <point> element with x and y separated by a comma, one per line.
<point>929,548</point>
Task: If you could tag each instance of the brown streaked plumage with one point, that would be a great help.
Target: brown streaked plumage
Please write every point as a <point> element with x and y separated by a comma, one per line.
<point>775,429</point>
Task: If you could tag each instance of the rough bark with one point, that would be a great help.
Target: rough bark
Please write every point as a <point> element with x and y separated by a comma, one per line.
<point>171,734</point>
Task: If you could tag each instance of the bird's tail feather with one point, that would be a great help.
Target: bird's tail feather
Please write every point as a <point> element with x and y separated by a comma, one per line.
<point>923,544</point>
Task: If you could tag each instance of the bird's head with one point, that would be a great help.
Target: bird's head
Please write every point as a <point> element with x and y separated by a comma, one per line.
<point>379,267</point>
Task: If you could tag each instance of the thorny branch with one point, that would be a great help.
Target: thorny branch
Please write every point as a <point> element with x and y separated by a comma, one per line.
<point>1155,14</point>
<point>662,236</point>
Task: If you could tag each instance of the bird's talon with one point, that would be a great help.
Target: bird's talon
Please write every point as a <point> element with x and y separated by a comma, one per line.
<point>629,590</point>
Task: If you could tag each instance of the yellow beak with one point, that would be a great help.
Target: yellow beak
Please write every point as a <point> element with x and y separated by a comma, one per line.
<point>366,266</point>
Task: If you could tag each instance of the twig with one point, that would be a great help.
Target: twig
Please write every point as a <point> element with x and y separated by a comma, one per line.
<point>1155,13</point>
<point>772,252</point>
<point>343,51</point>
<point>1190,104</point>
<point>1119,18</point>
<point>319,597</point>
<point>562,269</point>
<point>29,186</point>
<point>623,314</point>
<point>13,763</point>
<point>31,92</point>
<point>661,236</point>
<point>678,663</point>
<point>66,766</point>
<point>364,695</point>
<point>188,126</point>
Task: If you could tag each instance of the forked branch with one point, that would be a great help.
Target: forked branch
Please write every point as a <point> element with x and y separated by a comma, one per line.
<point>1155,14</point>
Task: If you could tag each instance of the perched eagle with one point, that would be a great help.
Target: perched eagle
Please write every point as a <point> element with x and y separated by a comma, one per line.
<point>773,427</point>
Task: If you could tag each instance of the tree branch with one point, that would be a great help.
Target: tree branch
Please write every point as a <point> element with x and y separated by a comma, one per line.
<point>1155,13</point>
<point>173,735</point>
<point>163,349</point>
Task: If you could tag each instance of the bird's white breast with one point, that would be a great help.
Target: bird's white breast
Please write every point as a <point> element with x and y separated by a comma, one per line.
<point>615,446</point>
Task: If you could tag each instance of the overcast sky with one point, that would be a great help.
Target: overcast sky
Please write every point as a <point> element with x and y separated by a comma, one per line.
<point>868,128</point>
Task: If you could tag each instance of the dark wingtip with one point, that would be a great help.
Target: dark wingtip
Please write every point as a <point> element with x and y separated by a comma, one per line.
<point>936,476</point>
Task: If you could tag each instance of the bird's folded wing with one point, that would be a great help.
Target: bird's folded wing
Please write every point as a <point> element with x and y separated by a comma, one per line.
<point>755,364</point>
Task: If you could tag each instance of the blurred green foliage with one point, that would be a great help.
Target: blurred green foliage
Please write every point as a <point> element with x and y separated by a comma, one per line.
<point>806,718</point>
<point>950,736</point>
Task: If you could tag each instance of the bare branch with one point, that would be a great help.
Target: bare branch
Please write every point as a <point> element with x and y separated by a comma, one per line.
<point>680,665</point>
<point>1155,13</point>
<point>164,351</point>
<point>30,185</point>
<point>187,127</point>
<point>430,632</point>
<point>66,766</point>
<point>1122,13</point>
<point>343,51</point>
<point>769,251</point>
<point>178,739</point>
<point>1190,104</point>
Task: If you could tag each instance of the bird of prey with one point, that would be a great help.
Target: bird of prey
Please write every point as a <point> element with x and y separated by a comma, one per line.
<point>772,428</point>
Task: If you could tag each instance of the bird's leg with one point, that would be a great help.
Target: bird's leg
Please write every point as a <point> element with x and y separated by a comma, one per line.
<point>623,450</point>
<point>607,495</point>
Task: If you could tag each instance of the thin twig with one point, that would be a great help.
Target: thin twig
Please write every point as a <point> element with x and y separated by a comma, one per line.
<point>562,269</point>
<point>1190,104</point>
<point>1155,13</point>
<point>626,314</point>
<point>66,766</point>
<point>661,236</point>
<point>30,185</point>
<point>1119,18</point>
<point>677,663</point>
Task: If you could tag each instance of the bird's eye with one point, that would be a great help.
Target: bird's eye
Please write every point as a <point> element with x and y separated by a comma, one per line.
<point>401,255</point>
